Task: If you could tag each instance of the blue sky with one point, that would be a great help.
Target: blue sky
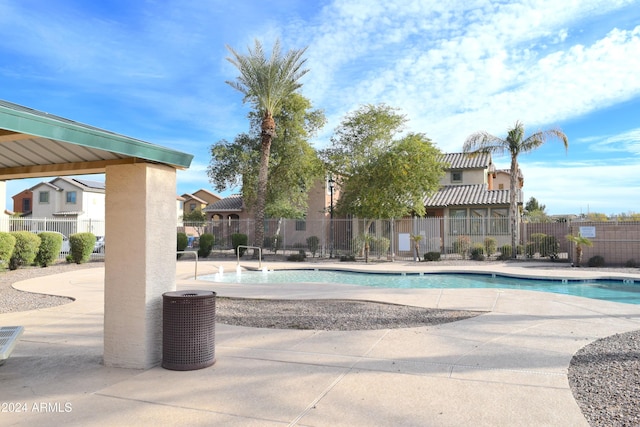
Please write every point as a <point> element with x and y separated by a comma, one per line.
<point>156,70</point>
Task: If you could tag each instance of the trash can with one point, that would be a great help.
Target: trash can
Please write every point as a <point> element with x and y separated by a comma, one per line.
<point>188,330</point>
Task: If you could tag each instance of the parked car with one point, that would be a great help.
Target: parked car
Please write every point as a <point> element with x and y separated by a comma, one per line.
<point>99,246</point>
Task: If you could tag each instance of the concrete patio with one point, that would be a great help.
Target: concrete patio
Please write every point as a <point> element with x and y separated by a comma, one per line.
<point>507,367</point>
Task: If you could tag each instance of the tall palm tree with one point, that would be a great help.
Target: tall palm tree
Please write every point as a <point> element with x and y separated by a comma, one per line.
<point>266,83</point>
<point>515,144</point>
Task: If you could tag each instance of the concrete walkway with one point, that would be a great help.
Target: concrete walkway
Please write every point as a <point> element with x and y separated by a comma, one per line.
<point>504,368</point>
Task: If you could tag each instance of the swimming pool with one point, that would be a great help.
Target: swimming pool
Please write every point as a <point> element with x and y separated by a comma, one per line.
<point>625,291</point>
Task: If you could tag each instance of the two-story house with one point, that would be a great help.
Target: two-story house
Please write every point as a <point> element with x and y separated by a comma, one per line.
<point>198,200</point>
<point>76,204</point>
<point>473,198</point>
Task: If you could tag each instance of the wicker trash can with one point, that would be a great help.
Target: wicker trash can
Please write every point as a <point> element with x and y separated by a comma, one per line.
<point>188,330</point>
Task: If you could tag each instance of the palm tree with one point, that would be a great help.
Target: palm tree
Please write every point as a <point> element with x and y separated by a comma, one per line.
<point>266,83</point>
<point>579,241</point>
<point>515,144</point>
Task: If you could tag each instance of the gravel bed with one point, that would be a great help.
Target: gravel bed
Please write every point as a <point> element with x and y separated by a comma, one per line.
<point>605,380</point>
<point>330,315</point>
<point>604,376</point>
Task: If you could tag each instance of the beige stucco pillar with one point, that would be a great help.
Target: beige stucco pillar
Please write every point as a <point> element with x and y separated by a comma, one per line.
<point>3,201</point>
<point>140,263</point>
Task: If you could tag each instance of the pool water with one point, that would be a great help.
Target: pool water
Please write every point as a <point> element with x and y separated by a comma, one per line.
<point>624,291</point>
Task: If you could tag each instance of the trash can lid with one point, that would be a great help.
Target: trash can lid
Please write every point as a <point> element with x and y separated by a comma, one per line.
<point>189,294</point>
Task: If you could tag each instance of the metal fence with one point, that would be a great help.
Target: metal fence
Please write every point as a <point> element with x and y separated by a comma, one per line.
<point>617,242</point>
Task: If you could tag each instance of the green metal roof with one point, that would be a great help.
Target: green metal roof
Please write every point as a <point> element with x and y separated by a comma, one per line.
<point>30,138</point>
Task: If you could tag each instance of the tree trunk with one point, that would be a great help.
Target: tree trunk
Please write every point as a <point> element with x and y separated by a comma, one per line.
<point>268,132</point>
<point>513,205</point>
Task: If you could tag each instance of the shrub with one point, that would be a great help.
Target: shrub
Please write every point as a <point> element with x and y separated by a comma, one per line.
<point>432,256</point>
<point>183,242</point>
<point>380,245</point>
<point>545,245</point>
<point>313,243</point>
<point>505,252</point>
<point>272,242</point>
<point>349,257</point>
<point>7,245</point>
<point>631,263</point>
<point>25,250</point>
<point>239,239</point>
<point>50,245</point>
<point>206,245</point>
<point>300,256</point>
<point>596,261</point>
<point>477,252</point>
<point>490,245</point>
<point>81,247</point>
<point>461,245</point>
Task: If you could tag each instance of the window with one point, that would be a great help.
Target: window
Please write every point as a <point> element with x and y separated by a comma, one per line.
<point>26,205</point>
<point>71,197</point>
<point>192,207</point>
<point>478,221</point>
<point>458,221</point>
<point>301,225</point>
<point>500,186</point>
<point>456,176</point>
<point>499,222</point>
<point>43,197</point>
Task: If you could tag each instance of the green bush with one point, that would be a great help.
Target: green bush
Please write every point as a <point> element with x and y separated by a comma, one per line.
<point>206,245</point>
<point>596,261</point>
<point>239,239</point>
<point>81,247</point>
<point>505,252</point>
<point>25,250</point>
<point>380,246</point>
<point>7,245</point>
<point>461,246</point>
<point>183,242</point>
<point>300,256</point>
<point>50,245</point>
<point>490,246</point>
<point>313,243</point>
<point>631,263</point>
<point>477,252</point>
<point>432,256</point>
<point>346,258</point>
<point>545,245</point>
<point>274,243</point>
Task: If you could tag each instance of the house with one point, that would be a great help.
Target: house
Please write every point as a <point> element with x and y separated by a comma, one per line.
<point>73,204</point>
<point>474,198</point>
<point>198,200</point>
<point>70,198</point>
<point>23,202</point>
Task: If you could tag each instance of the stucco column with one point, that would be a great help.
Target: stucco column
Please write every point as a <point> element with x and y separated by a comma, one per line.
<point>3,205</point>
<point>140,263</point>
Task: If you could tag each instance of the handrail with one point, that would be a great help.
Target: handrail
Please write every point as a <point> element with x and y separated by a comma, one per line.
<point>195,253</point>
<point>250,247</point>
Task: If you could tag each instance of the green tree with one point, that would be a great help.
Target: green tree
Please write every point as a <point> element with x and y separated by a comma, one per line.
<point>196,219</point>
<point>294,164</point>
<point>515,144</point>
<point>533,205</point>
<point>382,177</point>
<point>266,83</point>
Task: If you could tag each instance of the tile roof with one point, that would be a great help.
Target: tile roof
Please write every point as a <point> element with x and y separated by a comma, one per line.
<point>232,203</point>
<point>466,161</point>
<point>466,195</point>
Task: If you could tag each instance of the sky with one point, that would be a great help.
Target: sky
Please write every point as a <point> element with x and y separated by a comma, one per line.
<point>155,70</point>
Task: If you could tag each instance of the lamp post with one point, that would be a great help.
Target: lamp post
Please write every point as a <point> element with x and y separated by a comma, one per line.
<point>331,182</point>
